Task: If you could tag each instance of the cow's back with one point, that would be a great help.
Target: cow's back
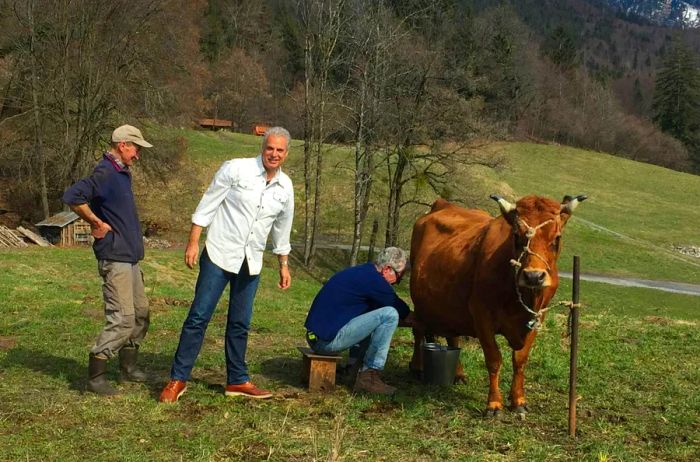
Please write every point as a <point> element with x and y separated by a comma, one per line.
<point>443,254</point>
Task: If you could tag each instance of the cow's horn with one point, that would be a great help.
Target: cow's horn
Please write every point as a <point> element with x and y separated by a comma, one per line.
<point>571,203</point>
<point>506,207</point>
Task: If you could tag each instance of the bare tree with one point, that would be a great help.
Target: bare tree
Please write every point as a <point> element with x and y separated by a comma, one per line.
<point>323,22</point>
<point>371,38</point>
<point>426,124</point>
<point>76,78</point>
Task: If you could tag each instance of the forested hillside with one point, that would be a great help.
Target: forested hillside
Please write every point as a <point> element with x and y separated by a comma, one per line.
<point>411,88</point>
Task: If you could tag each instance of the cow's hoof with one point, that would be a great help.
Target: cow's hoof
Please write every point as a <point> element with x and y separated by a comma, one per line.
<point>460,379</point>
<point>490,413</point>
<point>521,411</point>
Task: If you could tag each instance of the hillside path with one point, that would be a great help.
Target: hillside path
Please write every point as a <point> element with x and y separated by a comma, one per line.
<point>665,286</point>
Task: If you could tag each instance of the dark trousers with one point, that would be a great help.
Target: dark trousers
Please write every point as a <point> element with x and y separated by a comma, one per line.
<point>211,283</point>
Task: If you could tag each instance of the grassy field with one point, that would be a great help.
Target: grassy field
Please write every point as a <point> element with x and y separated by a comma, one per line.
<point>634,216</point>
<point>638,365</point>
<point>638,376</point>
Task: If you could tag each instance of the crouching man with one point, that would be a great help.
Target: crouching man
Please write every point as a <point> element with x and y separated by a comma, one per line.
<point>358,306</point>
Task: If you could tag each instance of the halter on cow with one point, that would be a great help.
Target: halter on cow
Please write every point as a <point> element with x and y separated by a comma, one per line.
<point>476,275</point>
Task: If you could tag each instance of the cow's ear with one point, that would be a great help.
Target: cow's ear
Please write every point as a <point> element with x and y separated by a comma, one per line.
<point>568,204</point>
<point>508,210</point>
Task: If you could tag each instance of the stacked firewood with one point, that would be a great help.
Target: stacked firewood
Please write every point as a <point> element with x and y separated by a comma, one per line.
<point>8,238</point>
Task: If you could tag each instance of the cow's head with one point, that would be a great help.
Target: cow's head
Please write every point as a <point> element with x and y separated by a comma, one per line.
<point>537,223</point>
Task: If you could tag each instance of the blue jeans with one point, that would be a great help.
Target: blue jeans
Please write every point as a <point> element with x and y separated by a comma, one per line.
<point>211,283</point>
<point>373,329</point>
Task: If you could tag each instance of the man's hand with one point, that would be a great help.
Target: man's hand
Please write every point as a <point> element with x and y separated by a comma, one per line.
<point>285,278</point>
<point>99,229</point>
<point>192,249</point>
<point>191,254</point>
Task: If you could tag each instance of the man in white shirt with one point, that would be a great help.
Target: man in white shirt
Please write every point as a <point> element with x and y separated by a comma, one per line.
<point>246,200</point>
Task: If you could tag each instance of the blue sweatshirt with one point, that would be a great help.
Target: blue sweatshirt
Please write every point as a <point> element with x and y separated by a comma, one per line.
<point>109,195</point>
<point>348,294</point>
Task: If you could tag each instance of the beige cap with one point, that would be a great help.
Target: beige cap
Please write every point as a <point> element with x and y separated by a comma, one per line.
<point>131,134</point>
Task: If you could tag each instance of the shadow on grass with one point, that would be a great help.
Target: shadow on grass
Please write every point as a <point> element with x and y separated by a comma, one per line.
<point>284,369</point>
<point>74,372</point>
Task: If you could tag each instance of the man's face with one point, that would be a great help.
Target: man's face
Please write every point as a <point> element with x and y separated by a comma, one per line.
<point>391,275</point>
<point>274,153</point>
<point>129,152</point>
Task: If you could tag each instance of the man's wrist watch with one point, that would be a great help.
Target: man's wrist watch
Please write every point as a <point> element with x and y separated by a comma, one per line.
<point>284,263</point>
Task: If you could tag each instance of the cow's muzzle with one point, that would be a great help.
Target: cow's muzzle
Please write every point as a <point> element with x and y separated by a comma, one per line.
<point>534,279</point>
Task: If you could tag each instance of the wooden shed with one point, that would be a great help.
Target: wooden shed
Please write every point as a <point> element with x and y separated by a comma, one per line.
<point>260,129</point>
<point>216,124</point>
<point>66,229</point>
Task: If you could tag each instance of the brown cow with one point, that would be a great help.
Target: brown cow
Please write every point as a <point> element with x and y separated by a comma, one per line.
<point>465,264</point>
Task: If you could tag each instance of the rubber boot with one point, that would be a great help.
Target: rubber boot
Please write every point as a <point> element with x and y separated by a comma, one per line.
<point>97,383</point>
<point>129,372</point>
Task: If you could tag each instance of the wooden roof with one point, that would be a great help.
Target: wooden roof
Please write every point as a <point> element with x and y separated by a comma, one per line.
<point>215,123</point>
<point>60,219</point>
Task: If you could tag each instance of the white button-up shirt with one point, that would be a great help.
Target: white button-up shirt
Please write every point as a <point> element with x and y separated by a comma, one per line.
<point>240,210</point>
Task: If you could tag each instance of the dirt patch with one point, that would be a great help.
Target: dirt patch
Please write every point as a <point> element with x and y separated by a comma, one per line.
<point>170,301</point>
<point>7,343</point>
<point>161,274</point>
<point>90,299</point>
<point>662,321</point>
<point>94,313</point>
<point>380,408</point>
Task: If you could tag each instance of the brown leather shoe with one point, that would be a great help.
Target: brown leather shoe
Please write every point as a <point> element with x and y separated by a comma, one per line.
<point>247,389</point>
<point>370,382</point>
<point>172,391</point>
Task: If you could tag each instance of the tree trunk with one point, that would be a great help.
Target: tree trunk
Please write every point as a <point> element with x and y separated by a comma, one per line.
<point>36,109</point>
<point>394,206</point>
<point>364,167</point>
<point>317,180</point>
<point>308,138</point>
<point>372,240</point>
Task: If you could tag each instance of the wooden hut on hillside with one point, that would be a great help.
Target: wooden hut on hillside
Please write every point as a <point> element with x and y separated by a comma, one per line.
<point>260,129</point>
<point>217,124</point>
<point>66,229</point>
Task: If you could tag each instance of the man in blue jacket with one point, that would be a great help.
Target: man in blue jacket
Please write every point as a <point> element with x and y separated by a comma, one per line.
<point>359,306</point>
<point>106,201</point>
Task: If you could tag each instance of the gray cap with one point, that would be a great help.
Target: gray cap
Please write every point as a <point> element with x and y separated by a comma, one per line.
<point>131,134</point>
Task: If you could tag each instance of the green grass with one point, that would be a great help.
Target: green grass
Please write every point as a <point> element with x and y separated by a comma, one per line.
<point>638,366</point>
<point>638,375</point>
<point>647,209</point>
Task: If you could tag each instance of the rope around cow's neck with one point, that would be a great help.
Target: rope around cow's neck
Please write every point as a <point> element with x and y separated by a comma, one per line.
<point>535,322</point>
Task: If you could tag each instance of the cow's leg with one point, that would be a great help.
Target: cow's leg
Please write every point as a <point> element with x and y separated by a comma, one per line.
<point>416,364</point>
<point>459,373</point>
<point>493,358</point>
<point>517,389</point>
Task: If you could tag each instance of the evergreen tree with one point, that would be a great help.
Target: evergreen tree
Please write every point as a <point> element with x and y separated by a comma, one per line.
<point>560,47</point>
<point>676,103</point>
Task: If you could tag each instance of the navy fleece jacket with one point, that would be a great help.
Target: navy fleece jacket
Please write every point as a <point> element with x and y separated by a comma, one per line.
<point>348,294</point>
<point>109,195</point>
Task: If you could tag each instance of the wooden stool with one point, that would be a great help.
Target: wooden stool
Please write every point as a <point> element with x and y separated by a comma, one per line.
<point>318,371</point>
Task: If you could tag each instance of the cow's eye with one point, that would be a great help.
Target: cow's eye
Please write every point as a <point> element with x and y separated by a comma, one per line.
<point>555,243</point>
